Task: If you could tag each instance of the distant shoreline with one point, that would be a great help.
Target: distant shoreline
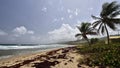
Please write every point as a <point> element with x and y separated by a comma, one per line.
<point>6,53</point>
<point>16,60</point>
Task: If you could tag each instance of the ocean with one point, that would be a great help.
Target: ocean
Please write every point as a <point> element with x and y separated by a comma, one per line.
<point>9,50</point>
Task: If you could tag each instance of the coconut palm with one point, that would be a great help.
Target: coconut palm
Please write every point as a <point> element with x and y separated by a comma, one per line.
<point>108,18</point>
<point>85,30</point>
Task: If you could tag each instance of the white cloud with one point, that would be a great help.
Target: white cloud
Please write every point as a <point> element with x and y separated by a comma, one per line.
<point>73,12</point>
<point>21,31</point>
<point>70,16</point>
<point>62,18</point>
<point>44,9</point>
<point>30,32</point>
<point>90,8</point>
<point>2,33</point>
<point>76,11</point>
<point>55,20</point>
<point>64,33</point>
<point>69,11</point>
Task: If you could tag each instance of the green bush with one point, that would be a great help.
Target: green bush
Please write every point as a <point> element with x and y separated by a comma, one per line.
<point>101,54</point>
<point>94,40</point>
<point>115,40</point>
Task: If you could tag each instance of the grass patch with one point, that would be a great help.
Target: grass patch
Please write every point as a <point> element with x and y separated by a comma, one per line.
<point>101,54</point>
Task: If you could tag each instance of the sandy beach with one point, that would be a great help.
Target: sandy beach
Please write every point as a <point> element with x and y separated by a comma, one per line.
<point>56,58</point>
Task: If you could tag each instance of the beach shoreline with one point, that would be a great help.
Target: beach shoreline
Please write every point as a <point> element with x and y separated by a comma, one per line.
<point>59,56</point>
<point>10,51</point>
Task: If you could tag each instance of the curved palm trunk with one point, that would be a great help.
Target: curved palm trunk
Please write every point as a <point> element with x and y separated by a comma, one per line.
<point>108,42</point>
<point>88,41</point>
<point>85,37</point>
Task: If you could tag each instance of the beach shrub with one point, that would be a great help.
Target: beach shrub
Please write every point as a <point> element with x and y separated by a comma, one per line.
<point>115,40</point>
<point>94,40</point>
<point>101,54</point>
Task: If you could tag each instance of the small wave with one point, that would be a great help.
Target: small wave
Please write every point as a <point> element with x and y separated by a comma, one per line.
<point>2,57</point>
<point>5,47</point>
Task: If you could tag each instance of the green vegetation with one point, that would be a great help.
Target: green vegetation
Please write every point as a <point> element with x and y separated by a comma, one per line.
<point>101,54</point>
<point>108,18</point>
<point>114,40</point>
<point>85,30</point>
<point>93,40</point>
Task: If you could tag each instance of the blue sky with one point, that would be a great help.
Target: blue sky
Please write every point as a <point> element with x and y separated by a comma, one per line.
<point>41,21</point>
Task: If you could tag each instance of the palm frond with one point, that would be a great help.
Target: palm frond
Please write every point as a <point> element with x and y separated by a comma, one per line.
<point>115,14</point>
<point>113,6</point>
<point>108,17</point>
<point>111,25</point>
<point>116,21</point>
<point>87,26</point>
<point>103,29</point>
<point>92,33</point>
<point>94,17</point>
<point>99,27</point>
<point>84,27</point>
<point>104,9</point>
<point>109,8</point>
<point>96,23</point>
<point>78,35</point>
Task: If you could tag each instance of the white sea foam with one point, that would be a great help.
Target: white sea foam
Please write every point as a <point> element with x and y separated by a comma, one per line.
<point>11,50</point>
<point>2,57</point>
<point>6,47</point>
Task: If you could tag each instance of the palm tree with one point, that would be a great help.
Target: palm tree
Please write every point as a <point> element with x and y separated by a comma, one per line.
<point>108,18</point>
<point>85,30</point>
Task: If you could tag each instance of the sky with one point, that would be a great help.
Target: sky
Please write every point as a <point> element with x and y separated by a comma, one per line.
<point>43,21</point>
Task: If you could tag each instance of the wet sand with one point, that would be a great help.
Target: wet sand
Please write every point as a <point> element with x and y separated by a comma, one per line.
<point>58,58</point>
